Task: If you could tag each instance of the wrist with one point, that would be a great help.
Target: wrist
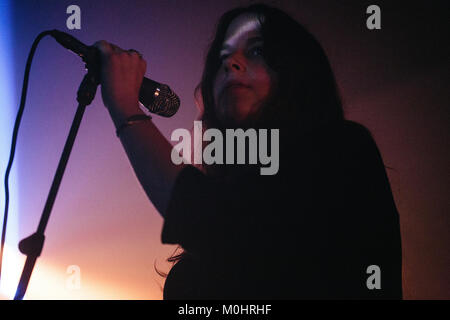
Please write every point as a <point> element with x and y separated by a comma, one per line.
<point>134,119</point>
<point>121,114</point>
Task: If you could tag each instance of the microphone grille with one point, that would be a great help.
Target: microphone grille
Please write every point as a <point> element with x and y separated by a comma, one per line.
<point>165,103</point>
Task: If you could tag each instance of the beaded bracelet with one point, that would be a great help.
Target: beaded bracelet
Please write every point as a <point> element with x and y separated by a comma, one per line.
<point>132,120</point>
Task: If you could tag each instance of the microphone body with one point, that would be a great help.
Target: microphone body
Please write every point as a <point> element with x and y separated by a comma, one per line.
<point>156,97</point>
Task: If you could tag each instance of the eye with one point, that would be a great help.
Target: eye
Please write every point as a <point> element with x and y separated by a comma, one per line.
<point>224,56</point>
<point>256,51</point>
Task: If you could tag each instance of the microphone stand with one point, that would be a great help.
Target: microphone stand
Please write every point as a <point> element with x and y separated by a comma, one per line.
<point>32,245</point>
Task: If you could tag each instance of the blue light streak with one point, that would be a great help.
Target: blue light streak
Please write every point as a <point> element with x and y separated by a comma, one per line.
<point>8,108</point>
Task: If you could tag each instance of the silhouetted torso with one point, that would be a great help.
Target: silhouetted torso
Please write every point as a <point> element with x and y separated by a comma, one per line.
<point>308,232</point>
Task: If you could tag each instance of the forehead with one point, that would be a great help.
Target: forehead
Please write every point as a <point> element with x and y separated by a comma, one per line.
<point>243,26</point>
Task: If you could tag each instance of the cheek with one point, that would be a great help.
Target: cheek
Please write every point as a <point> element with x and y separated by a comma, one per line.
<point>263,81</point>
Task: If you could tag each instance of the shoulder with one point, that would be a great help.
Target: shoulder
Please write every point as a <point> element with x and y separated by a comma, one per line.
<point>356,139</point>
<point>350,146</point>
<point>355,132</point>
<point>339,134</point>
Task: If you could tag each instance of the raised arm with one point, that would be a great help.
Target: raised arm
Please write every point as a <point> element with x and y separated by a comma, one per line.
<point>147,149</point>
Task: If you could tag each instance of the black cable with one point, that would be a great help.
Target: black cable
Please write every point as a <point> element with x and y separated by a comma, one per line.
<point>14,138</point>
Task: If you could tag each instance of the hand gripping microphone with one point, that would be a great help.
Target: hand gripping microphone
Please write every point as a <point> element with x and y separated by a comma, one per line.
<point>156,97</point>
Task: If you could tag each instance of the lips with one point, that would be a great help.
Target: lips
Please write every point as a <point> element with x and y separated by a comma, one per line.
<point>232,88</point>
<point>234,84</point>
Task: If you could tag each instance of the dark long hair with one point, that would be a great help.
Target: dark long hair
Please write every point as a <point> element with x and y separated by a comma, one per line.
<point>306,96</point>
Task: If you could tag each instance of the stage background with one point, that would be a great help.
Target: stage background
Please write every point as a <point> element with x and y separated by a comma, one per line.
<point>393,80</point>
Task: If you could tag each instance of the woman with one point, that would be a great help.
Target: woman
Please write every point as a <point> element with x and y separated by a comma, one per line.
<point>313,230</point>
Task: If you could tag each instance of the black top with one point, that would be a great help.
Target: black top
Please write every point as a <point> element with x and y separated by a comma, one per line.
<point>308,232</point>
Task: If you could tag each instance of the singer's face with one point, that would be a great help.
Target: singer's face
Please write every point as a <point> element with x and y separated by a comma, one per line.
<point>244,81</point>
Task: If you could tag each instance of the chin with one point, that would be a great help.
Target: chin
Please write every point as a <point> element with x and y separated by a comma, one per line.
<point>235,117</point>
<point>235,121</point>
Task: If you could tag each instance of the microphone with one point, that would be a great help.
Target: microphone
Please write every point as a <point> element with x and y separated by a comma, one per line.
<point>156,97</point>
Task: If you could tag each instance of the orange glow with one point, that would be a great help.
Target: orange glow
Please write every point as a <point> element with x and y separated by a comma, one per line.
<point>55,282</point>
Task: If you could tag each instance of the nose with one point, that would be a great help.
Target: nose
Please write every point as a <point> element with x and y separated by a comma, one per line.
<point>236,63</point>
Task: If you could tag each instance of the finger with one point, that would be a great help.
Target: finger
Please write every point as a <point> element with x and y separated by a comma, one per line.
<point>134,52</point>
<point>107,49</point>
<point>104,47</point>
<point>117,49</point>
